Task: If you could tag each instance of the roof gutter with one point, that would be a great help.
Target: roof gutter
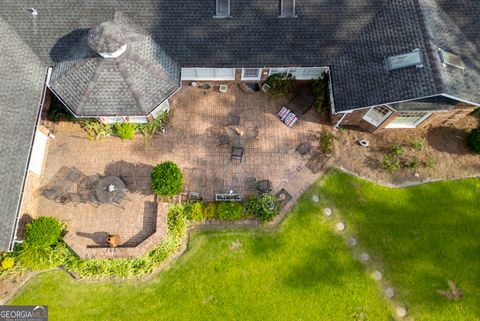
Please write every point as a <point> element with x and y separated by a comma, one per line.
<point>13,235</point>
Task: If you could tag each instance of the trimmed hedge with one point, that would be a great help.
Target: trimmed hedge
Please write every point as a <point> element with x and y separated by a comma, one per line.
<point>229,210</point>
<point>167,179</point>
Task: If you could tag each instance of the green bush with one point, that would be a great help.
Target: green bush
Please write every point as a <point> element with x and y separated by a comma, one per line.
<point>431,162</point>
<point>43,232</point>
<point>38,258</point>
<point>397,149</point>
<point>413,164</point>
<point>229,210</point>
<point>197,212</point>
<point>96,130</point>
<point>321,93</point>
<point>281,84</point>
<point>417,144</point>
<point>57,111</point>
<point>152,127</point>
<point>473,140</point>
<point>124,130</point>
<point>210,211</point>
<point>265,206</point>
<point>167,179</point>
<point>391,163</point>
<point>326,143</point>
<point>8,262</point>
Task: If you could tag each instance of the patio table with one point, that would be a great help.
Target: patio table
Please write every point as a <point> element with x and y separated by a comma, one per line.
<point>109,189</point>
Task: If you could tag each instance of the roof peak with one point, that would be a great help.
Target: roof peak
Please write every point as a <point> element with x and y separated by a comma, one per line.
<point>108,39</point>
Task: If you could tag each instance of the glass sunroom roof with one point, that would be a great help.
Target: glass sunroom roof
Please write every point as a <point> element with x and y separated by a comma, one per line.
<point>413,58</point>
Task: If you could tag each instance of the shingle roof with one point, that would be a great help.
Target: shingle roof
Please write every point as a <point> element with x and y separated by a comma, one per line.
<point>21,77</point>
<point>353,37</point>
<point>132,84</point>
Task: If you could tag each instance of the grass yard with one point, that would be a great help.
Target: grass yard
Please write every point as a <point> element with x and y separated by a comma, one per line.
<point>420,237</point>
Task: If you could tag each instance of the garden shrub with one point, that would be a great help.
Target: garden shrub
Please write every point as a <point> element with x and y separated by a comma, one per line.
<point>473,140</point>
<point>57,111</point>
<point>167,179</point>
<point>8,262</point>
<point>281,84</point>
<point>397,149</point>
<point>43,232</point>
<point>417,144</point>
<point>124,130</point>
<point>265,206</point>
<point>229,210</point>
<point>43,247</point>
<point>413,164</point>
<point>196,213</point>
<point>210,211</point>
<point>97,130</point>
<point>431,162</point>
<point>326,143</point>
<point>150,128</point>
<point>321,93</point>
<point>391,163</point>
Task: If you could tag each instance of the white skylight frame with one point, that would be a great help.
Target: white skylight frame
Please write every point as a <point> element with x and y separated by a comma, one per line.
<point>284,13</point>
<point>451,59</point>
<point>410,59</point>
<point>218,13</point>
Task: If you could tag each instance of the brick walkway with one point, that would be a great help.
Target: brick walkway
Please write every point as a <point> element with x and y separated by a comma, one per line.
<point>191,140</point>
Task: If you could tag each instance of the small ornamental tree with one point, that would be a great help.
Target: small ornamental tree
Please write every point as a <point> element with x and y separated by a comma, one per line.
<point>44,232</point>
<point>167,179</point>
<point>265,206</point>
<point>473,140</point>
<point>281,84</point>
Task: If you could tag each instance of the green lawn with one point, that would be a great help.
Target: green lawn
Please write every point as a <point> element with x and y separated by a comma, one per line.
<point>421,236</point>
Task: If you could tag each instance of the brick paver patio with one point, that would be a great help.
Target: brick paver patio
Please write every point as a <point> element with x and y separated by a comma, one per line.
<point>192,141</point>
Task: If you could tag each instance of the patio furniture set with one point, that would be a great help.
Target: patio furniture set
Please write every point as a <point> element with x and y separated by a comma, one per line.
<point>95,189</point>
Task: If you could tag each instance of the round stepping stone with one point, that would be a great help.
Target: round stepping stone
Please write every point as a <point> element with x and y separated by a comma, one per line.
<point>364,256</point>
<point>377,275</point>
<point>327,211</point>
<point>340,226</point>
<point>352,241</point>
<point>315,198</point>
<point>389,293</point>
<point>401,312</point>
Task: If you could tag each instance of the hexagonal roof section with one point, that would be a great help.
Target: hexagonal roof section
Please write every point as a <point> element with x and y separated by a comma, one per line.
<point>114,69</point>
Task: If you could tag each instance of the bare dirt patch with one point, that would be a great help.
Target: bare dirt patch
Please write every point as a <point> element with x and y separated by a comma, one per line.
<point>445,145</point>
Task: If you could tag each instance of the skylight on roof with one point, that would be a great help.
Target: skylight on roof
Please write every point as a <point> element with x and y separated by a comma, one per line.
<point>451,59</point>
<point>223,8</point>
<point>413,58</point>
<point>287,7</point>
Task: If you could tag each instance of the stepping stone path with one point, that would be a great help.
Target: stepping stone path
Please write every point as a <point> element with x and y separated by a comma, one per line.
<point>340,226</point>
<point>327,211</point>
<point>401,312</point>
<point>389,293</point>
<point>315,198</point>
<point>364,256</point>
<point>352,241</point>
<point>377,275</point>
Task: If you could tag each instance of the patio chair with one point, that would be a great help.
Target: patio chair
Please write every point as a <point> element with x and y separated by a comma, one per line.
<point>233,119</point>
<point>236,153</point>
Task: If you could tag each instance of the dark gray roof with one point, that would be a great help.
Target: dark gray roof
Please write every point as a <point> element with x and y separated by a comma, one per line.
<point>21,77</point>
<point>353,37</point>
<point>132,84</point>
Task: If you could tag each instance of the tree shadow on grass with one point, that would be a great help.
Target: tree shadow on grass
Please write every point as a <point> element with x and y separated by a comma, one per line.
<point>320,266</point>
